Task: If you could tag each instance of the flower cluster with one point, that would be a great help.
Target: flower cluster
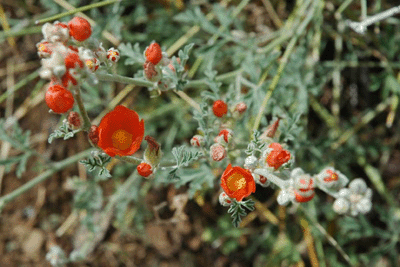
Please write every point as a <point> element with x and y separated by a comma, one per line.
<point>355,199</point>
<point>296,186</point>
<point>66,59</point>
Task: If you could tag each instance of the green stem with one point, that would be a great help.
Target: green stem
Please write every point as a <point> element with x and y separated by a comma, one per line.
<point>76,10</point>
<point>123,79</point>
<point>129,159</point>
<point>42,177</point>
<point>86,120</point>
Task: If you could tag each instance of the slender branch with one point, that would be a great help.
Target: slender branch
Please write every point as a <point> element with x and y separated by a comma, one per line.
<point>129,159</point>
<point>42,177</point>
<point>272,178</point>
<point>189,100</point>
<point>86,120</point>
<point>361,27</point>
<point>123,79</point>
<point>76,10</point>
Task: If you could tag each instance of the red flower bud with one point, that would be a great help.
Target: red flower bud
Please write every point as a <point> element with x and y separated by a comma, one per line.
<point>220,108</point>
<point>72,60</point>
<point>144,169</point>
<point>94,134</point>
<point>197,140</point>
<point>74,119</point>
<point>217,152</point>
<point>153,53</point>
<point>79,29</point>
<point>271,130</point>
<point>225,134</point>
<point>149,70</point>
<point>113,54</point>
<point>304,188</point>
<point>241,107</point>
<point>59,99</point>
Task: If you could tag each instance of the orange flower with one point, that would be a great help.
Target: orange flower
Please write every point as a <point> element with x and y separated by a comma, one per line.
<point>278,156</point>
<point>237,182</point>
<point>120,132</point>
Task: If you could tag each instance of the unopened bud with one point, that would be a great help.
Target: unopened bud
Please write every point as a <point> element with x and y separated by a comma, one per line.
<point>271,130</point>
<point>341,206</point>
<point>74,120</point>
<point>218,152</point>
<point>94,134</point>
<point>197,140</point>
<point>224,200</point>
<point>241,107</point>
<point>224,136</point>
<point>150,70</point>
<point>152,154</point>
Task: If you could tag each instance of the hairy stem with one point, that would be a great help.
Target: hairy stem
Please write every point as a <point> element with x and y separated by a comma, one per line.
<point>76,10</point>
<point>86,120</point>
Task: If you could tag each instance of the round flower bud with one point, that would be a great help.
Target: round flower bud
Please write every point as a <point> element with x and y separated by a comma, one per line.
<point>224,200</point>
<point>150,71</point>
<point>92,64</point>
<point>341,206</point>
<point>144,169</point>
<point>44,49</point>
<point>218,152</point>
<point>72,60</point>
<point>59,99</point>
<point>344,193</point>
<point>220,108</point>
<point>261,180</point>
<point>364,206</point>
<point>241,107</point>
<point>74,120</point>
<point>358,186</point>
<point>331,178</point>
<point>153,53</point>
<point>94,134</point>
<point>113,55</point>
<point>304,188</point>
<point>79,29</point>
<point>197,140</point>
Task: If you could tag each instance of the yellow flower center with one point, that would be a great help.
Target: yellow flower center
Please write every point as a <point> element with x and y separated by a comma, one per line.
<point>334,177</point>
<point>42,48</point>
<point>89,64</point>
<point>121,139</point>
<point>236,182</point>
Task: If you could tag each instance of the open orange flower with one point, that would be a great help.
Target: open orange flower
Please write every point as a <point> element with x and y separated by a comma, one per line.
<point>120,132</point>
<point>237,182</point>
